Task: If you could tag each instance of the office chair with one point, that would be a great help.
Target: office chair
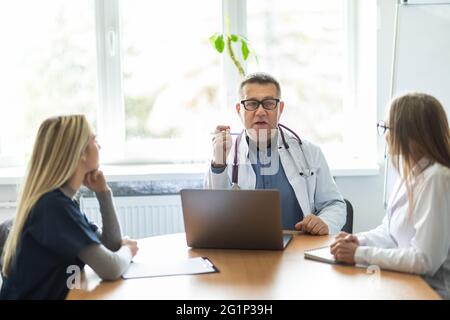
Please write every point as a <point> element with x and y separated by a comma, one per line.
<point>348,226</point>
<point>5,228</point>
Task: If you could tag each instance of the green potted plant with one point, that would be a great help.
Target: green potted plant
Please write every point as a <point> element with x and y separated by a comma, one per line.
<point>220,41</point>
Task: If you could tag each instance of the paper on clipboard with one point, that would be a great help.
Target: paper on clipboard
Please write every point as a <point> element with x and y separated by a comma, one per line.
<point>321,254</point>
<point>196,265</point>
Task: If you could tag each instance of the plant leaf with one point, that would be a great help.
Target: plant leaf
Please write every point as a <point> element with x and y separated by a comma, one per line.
<point>234,38</point>
<point>244,49</point>
<point>213,38</point>
<point>219,44</point>
<point>217,41</point>
<point>252,51</point>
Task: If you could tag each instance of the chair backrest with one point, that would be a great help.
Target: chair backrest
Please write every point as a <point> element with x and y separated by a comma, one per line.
<point>348,226</point>
<point>5,228</point>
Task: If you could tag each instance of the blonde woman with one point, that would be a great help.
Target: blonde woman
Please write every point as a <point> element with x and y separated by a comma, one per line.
<point>415,234</point>
<point>50,236</point>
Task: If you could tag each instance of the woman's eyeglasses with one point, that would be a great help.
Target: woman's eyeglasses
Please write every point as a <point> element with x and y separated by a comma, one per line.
<point>382,127</point>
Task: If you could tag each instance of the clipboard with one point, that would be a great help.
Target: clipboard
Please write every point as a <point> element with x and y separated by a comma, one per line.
<point>191,266</point>
<point>321,254</point>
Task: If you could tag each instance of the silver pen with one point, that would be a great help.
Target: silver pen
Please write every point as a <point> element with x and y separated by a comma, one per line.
<point>231,133</point>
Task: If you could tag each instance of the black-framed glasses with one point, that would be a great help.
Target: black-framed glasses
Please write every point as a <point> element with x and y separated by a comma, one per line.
<point>382,127</point>
<point>253,104</point>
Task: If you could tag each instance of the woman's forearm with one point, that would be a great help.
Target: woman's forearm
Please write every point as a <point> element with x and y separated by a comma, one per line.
<point>107,264</point>
<point>110,235</point>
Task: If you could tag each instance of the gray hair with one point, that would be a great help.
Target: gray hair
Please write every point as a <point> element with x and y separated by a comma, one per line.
<point>260,78</point>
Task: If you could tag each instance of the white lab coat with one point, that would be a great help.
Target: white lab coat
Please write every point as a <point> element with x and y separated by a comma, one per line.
<point>320,197</point>
<point>417,243</point>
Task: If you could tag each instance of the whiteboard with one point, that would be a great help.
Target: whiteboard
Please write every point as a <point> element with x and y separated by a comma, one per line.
<point>421,57</point>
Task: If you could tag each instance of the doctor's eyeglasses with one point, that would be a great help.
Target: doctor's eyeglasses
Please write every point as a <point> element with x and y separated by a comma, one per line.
<point>252,104</point>
<point>382,127</point>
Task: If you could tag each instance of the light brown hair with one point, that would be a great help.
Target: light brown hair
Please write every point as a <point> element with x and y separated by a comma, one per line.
<point>418,128</point>
<point>59,145</point>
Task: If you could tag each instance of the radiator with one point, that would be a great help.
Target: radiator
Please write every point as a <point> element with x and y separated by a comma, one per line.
<point>143,216</point>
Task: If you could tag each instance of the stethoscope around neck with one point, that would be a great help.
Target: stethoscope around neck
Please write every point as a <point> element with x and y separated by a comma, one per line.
<point>304,172</point>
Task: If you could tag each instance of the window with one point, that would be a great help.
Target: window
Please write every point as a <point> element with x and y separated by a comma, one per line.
<point>301,42</point>
<point>48,64</point>
<point>171,78</point>
<point>147,78</point>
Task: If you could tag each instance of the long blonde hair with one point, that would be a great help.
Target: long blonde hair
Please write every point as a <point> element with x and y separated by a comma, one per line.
<point>59,145</point>
<point>418,128</point>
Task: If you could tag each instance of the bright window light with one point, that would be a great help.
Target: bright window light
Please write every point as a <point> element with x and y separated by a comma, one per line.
<point>48,63</point>
<point>171,78</point>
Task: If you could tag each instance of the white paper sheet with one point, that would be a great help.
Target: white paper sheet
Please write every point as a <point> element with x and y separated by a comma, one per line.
<point>180,267</point>
<point>320,254</point>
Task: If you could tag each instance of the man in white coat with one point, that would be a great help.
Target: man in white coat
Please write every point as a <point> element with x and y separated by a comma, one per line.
<point>267,155</point>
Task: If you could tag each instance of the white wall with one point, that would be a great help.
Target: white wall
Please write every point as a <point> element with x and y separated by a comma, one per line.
<point>385,57</point>
<point>366,193</point>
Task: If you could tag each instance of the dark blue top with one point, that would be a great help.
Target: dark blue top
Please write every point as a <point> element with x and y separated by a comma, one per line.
<point>270,175</point>
<point>53,235</point>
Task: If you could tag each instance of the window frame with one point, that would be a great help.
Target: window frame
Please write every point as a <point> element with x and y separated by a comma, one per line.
<point>111,106</point>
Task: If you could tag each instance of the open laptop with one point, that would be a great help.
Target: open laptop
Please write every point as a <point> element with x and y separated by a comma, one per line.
<point>233,219</point>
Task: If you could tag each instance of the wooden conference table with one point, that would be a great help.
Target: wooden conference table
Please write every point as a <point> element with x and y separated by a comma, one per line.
<point>254,274</point>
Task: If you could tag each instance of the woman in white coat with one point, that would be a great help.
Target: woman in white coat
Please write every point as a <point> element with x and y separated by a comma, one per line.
<point>414,236</point>
<point>310,200</point>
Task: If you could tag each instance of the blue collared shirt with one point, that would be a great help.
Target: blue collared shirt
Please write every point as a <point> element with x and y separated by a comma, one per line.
<point>274,177</point>
<point>268,177</point>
